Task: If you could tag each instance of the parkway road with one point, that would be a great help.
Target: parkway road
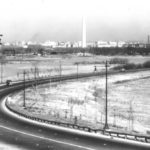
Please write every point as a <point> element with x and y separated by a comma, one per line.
<point>34,136</point>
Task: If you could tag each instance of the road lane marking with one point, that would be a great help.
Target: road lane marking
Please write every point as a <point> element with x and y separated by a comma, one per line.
<point>48,139</point>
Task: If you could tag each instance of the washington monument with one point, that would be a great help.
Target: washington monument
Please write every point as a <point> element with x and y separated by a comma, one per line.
<point>83,33</point>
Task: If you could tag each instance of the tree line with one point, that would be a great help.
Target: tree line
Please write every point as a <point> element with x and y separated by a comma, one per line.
<point>38,49</point>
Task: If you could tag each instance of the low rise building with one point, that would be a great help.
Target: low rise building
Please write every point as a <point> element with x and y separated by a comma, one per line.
<point>51,44</point>
<point>106,44</point>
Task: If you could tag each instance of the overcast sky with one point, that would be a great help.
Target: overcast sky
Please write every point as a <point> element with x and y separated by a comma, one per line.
<point>61,20</point>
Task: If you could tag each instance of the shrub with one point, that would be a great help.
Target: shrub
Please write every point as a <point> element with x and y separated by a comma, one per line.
<point>118,61</point>
<point>146,64</point>
<point>129,66</point>
<point>89,63</point>
<point>120,67</point>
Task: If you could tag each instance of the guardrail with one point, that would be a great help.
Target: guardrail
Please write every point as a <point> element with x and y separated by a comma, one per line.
<point>19,86</point>
<point>135,137</point>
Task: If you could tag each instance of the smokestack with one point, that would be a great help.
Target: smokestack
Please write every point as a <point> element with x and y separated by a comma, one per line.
<point>83,33</point>
<point>148,40</point>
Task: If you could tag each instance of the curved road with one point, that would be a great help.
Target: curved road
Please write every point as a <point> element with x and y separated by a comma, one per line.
<point>33,136</point>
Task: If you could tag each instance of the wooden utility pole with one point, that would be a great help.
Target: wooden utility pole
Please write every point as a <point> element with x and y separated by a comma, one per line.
<point>35,73</point>
<point>49,77</point>
<point>106,106</point>
<point>60,70</point>
<point>77,70</point>
<point>24,93</point>
<point>114,123</point>
<point>131,116</point>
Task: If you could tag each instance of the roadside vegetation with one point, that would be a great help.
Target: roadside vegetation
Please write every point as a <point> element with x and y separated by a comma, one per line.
<point>130,66</point>
<point>118,61</point>
<point>114,60</point>
<point>89,62</point>
<point>38,49</point>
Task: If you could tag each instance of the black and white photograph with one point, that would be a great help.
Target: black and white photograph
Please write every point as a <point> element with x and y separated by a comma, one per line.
<point>74,74</point>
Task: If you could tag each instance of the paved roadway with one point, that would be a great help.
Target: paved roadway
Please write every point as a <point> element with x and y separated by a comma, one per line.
<point>36,137</point>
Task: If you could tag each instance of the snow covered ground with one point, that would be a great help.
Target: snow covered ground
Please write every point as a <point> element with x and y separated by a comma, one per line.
<point>83,102</point>
<point>14,70</point>
<point>50,65</point>
<point>4,146</point>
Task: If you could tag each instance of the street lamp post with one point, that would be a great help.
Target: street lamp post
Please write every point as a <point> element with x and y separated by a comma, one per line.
<point>106,106</point>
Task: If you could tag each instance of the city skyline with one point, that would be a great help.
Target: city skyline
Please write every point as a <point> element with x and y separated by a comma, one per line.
<point>41,20</point>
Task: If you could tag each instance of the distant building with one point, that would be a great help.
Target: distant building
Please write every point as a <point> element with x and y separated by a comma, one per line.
<point>147,45</point>
<point>101,44</point>
<point>25,46</point>
<point>106,44</point>
<point>51,44</point>
<point>32,43</point>
<point>68,44</point>
<point>121,44</point>
<point>61,44</point>
<point>77,44</point>
<point>91,44</point>
<point>20,44</point>
<point>6,44</point>
<point>135,45</point>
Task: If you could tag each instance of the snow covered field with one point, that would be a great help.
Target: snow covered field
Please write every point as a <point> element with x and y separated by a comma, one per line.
<point>83,102</point>
<point>4,146</point>
<point>50,65</point>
